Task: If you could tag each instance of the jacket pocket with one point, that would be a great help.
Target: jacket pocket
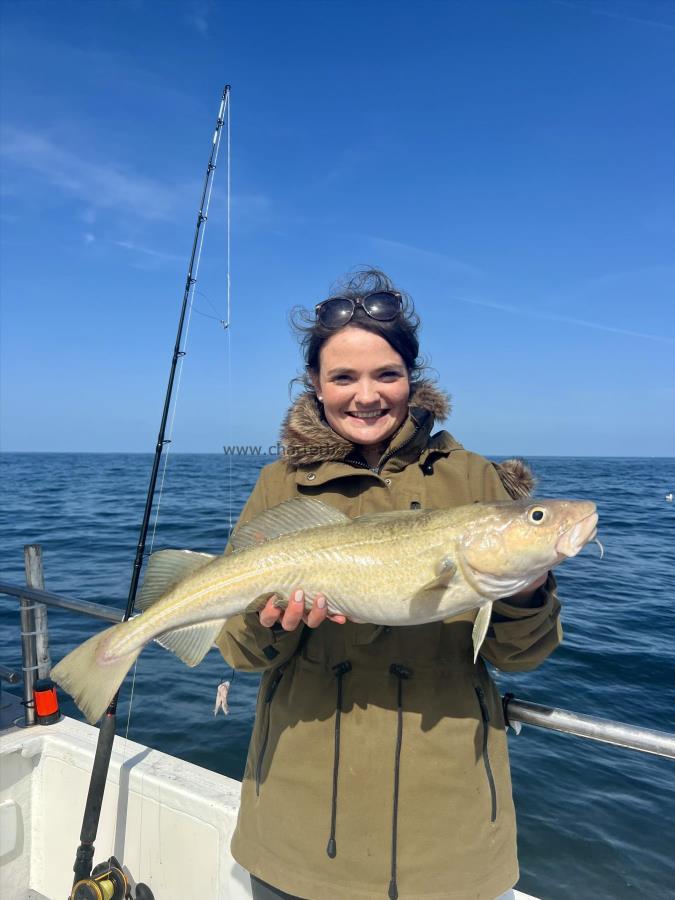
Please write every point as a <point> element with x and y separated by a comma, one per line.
<point>267,711</point>
<point>485,717</point>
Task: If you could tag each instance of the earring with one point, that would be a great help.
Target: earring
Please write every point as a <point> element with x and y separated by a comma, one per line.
<point>319,398</point>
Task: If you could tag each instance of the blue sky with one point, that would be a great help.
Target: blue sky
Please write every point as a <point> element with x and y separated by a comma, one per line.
<point>508,162</point>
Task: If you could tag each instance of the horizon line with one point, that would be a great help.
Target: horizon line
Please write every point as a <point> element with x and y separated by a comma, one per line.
<point>276,456</point>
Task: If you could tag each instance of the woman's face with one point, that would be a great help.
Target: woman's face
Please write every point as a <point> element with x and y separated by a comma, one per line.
<point>364,385</point>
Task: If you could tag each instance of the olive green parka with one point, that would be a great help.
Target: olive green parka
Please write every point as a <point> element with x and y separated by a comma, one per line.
<point>378,764</point>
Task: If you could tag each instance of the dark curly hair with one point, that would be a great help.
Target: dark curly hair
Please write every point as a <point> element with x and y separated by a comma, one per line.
<point>400,333</point>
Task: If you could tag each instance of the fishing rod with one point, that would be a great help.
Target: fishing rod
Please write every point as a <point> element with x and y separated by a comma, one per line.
<point>108,880</point>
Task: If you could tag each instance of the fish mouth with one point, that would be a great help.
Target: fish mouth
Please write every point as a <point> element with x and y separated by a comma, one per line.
<point>575,538</point>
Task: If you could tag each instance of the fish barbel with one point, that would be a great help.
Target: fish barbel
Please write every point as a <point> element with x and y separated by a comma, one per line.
<point>395,568</point>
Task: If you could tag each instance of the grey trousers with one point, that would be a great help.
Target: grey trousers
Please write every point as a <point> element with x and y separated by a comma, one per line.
<point>263,891</point>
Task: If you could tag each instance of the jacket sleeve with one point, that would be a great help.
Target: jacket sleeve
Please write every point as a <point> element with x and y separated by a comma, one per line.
<point>484,481</point>
<point>519,638</point>
<point>244,642</point>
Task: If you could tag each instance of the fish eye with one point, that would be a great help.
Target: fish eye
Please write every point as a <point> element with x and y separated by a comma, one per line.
<point>537,515</point>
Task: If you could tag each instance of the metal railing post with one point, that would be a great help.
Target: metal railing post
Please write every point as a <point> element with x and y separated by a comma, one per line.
<point>28,657</point>
<point>32,555</point>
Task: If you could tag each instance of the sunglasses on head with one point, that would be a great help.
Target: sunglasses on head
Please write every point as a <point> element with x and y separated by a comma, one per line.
<point>380,305</point>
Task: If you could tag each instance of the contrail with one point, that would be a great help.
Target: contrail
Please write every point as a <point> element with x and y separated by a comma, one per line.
<point>388,244</point>
<point>622,17</point>
<point>570,320</point>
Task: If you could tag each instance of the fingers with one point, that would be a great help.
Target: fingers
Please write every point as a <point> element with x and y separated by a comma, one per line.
<point>317,613</point>
<point>295,613</point>
<point>270,614</point>
<point>540,582</point>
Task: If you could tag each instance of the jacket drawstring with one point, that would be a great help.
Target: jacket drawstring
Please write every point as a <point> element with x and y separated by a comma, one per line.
<point>401,672</point>
<point>340,671</point>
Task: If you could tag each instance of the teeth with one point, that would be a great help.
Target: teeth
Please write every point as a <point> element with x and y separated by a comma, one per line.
<point>367,415</point>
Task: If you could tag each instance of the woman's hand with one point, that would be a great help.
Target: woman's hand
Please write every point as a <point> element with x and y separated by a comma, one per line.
<point>295,613</point>
<point>525,598</point>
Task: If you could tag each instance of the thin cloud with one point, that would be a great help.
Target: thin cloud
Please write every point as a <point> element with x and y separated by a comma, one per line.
<point>456,264</point>
<point>99,185</point>
<point>665,273</point>
<point>569,320</point>
<point>108,187</point>
<point>197,16</point>
<point>255,210</point>
<point>613,14</point>
<point>147,251</point>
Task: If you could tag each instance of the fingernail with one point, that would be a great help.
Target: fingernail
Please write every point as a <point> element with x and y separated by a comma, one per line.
<point>297,596</point>
<point>321,602</point>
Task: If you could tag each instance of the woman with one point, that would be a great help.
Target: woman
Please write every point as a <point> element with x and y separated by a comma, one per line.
<point>378,763</point>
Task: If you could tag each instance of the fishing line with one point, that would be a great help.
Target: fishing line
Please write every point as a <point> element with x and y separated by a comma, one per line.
<point>217,318</point>
<point>229,316</point>
<point>229,203</point>
<point>208,316</point>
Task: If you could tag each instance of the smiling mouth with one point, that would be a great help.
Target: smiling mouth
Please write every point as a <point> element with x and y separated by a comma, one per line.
<point>371,414</point>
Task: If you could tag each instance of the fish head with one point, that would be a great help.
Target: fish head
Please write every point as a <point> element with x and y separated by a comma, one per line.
<point>509,545</point>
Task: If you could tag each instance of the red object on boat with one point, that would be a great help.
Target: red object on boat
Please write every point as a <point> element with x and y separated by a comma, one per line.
<point>46,702</point>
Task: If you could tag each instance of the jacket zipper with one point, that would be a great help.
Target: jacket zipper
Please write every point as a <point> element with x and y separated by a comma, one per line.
<point>485,715</point>
<point>388,456</point>
<point>385,459</point>
<point>271,690</point>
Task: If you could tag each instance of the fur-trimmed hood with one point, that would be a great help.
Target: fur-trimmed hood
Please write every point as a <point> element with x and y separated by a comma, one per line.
<point>308,439</point>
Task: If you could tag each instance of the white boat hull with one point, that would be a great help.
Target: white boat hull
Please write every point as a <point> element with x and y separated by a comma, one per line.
<point>168,821</point>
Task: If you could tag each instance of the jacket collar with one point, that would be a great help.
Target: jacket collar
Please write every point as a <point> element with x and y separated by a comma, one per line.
<point>318,454</point>
<point>309,440</point>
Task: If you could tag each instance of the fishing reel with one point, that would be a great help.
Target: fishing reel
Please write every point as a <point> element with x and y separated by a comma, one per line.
<point>109,882</point>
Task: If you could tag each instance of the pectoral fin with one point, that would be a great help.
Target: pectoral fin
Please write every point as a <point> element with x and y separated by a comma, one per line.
<point>480,628</point>
<point>429,597</point>
<point>446,572</point>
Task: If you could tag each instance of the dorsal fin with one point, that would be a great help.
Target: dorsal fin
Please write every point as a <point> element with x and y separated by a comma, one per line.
<point>290,516</point>
<point>165,569</point>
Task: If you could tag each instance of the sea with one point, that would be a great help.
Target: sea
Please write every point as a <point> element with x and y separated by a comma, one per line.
<point>594,821</point>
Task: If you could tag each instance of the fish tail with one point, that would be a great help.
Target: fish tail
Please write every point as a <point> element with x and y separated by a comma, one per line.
<point>91,682</point>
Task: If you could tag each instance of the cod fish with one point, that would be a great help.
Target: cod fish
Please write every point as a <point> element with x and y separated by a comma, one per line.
<point>393,568</point>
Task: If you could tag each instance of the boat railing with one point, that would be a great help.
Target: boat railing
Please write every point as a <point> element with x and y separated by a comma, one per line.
<point>34,600</point>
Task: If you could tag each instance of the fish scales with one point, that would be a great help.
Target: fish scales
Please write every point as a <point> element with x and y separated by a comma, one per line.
<point>400,568</point>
